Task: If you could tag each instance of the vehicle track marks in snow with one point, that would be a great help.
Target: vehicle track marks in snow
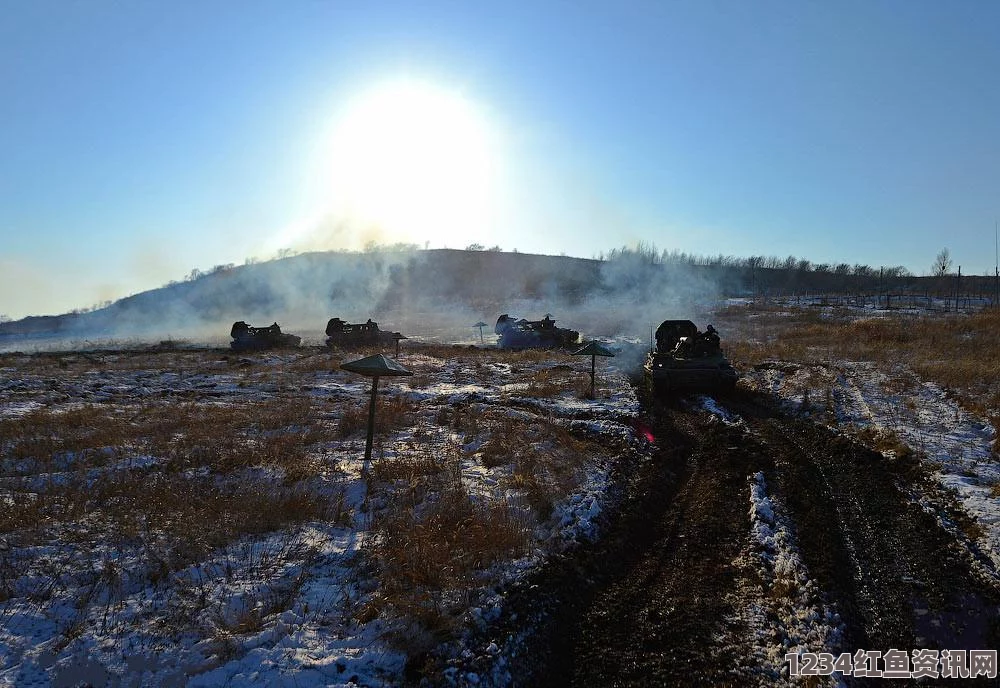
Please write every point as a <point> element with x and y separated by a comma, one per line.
<point>669,596</point>
<point>898,577</point>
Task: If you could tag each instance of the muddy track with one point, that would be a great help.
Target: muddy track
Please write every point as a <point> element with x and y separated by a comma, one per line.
<point>660,620</point>
<point>898,578</point>
<point>653,602</point>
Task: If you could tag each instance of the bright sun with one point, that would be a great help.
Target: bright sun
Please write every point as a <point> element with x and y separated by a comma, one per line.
<point>413,162</point>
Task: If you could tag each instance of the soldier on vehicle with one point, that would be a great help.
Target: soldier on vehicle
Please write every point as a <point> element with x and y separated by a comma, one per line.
<point>712,343</point>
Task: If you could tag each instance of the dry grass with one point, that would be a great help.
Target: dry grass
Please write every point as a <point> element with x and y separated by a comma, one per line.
<point>315,361</point>
<point>545,458</point>
<point>221,437</point>
<point>225,438</point>
<point>429,555</point>
<point>449,352</point>
<point>545,384</point>
<point>536,356</point>
<point>45,435</point>
<point>182,517</point>
<point>415,462</point>
<point>185,475</point>
<point>391,413</point>
<point>959,352</point>
<point>464,418</point>
<point>187,495</point>
<point>885,441</point>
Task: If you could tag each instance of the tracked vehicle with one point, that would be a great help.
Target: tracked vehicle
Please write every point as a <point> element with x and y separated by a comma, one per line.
<point>533,334</point>
<point>688,361</point>
<point>340,333</point>
<point>248,338</point>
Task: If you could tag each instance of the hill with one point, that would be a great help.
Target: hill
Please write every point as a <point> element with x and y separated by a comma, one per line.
<point>419,291</point>
<point>440,293</point>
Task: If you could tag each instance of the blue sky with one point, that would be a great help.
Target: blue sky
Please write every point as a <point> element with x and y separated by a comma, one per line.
<point>140,140</point>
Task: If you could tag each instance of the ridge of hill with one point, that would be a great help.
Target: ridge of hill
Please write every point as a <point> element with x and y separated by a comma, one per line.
<point>425,290</point>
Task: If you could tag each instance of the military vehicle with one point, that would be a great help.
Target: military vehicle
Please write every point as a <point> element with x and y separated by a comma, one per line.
<point>688,361</point>
<point>533,334</point>
<point>340,333</point>
<point>248,338</point>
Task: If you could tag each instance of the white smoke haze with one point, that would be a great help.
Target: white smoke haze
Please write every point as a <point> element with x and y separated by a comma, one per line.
<point>434,296</point>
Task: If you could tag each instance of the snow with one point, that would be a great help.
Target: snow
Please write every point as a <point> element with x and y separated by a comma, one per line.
<point>787,613</point>
<point>277,608</point>
<point>282,608</point>
<point>957,445</point>
<point>800,619</point>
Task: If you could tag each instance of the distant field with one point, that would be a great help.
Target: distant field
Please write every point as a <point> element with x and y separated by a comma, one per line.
<point>959,351</point>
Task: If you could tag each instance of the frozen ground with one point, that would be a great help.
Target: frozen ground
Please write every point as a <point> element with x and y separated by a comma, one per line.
<point>960,446</point>
<point>301,605</point>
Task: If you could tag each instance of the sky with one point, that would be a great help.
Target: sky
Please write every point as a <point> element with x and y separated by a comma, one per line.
<point>142,140</point>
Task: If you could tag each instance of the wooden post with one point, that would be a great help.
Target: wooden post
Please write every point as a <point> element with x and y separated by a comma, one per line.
<point>480,325</point>
<point>373,367</point>
<point>593,349</point>
<point>371,424</point>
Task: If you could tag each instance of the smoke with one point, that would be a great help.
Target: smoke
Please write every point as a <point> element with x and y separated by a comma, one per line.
<point>435,295</point>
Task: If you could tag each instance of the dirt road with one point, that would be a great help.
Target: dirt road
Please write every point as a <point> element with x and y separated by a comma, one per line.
<point>671,594</point>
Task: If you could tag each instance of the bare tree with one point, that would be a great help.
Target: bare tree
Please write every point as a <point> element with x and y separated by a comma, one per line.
<point>942,263</point>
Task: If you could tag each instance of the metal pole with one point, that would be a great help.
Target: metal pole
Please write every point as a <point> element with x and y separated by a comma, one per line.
<point>593,363</point>
<point>481,340</point>
<point>371,425</point>
<point>397,348</point>
<point>958,287</point>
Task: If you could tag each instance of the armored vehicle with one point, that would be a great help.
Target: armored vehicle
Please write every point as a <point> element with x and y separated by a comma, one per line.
<point>688,361</point>
<point>340,333</point>
<point>533,334</point>
<point>248,338</point>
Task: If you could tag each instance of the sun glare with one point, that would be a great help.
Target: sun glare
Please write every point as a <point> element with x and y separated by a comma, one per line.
<point>416,163</point>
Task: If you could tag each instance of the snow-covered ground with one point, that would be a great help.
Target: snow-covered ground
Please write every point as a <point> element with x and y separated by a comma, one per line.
<point>896,404</point>
<point>780,605</point>
<point>792,616</point>
<point>303,605</point>
<point>300,605</point>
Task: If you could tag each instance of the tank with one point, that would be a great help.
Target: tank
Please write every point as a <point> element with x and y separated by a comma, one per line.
<point>688,361</point>
<point>340,333</point>
<point>248,338</point>
<point>533,334</point>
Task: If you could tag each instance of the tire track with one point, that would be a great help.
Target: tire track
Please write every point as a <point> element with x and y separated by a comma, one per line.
<point>661,598</point>
<point>654,603</point>
<point>899,579</point>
